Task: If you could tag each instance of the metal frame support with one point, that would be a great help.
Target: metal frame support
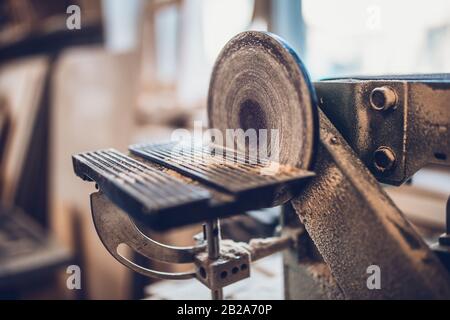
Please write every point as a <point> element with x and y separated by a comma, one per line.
<point>354,225</point>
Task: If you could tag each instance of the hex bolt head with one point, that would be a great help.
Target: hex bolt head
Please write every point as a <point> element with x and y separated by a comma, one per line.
<point>383,98</point>
<point>384,159</point>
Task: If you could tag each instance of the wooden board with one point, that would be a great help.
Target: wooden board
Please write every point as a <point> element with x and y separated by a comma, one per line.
<point>21,84</point>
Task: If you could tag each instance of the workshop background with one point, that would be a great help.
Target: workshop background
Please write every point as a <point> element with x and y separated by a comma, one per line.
<point>134,72</point>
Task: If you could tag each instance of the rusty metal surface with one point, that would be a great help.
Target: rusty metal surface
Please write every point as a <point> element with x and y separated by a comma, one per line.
<point>354,225</point>
<point>415,128</point>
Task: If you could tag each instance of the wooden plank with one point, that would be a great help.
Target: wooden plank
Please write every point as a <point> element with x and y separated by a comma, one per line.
<point>21,84</point>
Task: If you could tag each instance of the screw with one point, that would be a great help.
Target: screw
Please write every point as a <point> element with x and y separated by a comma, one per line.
<point>383,98</point>
<point>383,159</point>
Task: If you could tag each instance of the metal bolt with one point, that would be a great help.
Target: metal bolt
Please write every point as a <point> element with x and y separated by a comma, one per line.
<point>212,231</point>
<point>383,98</point>
<point>384,159</point>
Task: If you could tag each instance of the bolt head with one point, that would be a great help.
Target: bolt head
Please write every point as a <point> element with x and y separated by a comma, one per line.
<point>384,159</point>
<point>383,98</point>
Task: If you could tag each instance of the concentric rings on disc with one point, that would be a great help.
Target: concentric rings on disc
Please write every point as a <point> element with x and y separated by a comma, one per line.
<point>259,82</point>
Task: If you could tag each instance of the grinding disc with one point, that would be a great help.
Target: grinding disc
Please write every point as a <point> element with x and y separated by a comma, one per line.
<point>259,82</point>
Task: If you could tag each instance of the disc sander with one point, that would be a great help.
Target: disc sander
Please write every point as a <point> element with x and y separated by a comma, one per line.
<point>258,82</point>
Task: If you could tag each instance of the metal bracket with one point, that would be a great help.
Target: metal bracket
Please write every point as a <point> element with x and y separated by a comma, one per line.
<point>115,227</point>
<point>396,125</point>
<point>217,263</point>
<point>354,225</point>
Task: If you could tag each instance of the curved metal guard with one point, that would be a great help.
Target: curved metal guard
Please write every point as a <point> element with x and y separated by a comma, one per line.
<point>115,227</point>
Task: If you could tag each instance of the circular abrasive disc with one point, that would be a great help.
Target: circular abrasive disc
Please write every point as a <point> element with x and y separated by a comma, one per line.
<point>259,82</point>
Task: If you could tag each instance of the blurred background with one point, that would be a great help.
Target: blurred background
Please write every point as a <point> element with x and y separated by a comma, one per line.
<point>135,70</point>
